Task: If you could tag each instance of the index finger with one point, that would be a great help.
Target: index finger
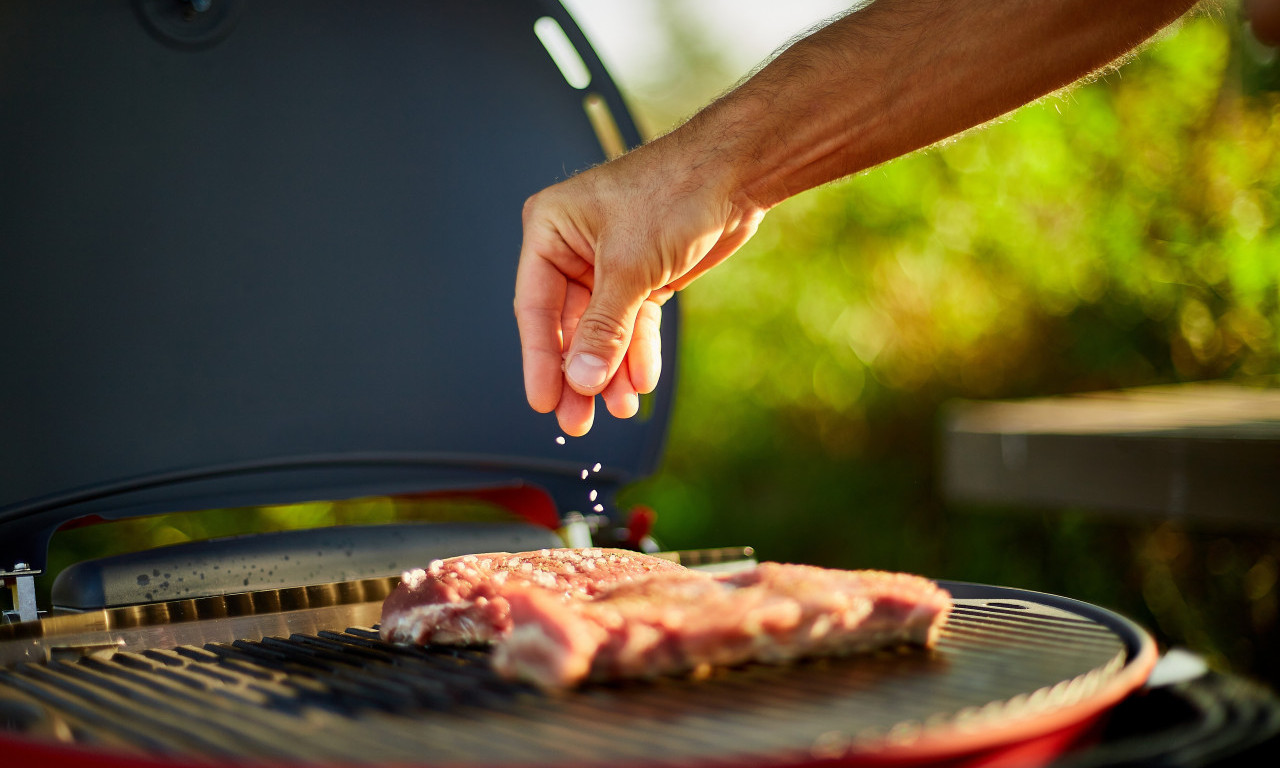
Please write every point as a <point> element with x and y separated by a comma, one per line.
<point>539,301</point>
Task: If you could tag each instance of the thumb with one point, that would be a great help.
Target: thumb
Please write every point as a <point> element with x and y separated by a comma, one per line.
<point>602,337</point>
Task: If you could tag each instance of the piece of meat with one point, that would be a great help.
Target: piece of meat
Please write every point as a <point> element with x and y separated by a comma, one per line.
<point>462,600</point>
<point>679,622</point>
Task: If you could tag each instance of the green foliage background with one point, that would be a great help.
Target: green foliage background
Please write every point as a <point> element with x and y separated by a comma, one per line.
<point>1121,233</point>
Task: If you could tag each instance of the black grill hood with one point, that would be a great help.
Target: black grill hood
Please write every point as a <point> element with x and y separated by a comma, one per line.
<point>266,253</point>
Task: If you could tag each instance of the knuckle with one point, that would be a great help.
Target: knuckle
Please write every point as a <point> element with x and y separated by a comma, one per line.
<point>531,204</point>
<point>602,332</point>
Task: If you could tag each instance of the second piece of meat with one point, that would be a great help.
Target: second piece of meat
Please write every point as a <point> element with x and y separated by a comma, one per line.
<point>677,622</point>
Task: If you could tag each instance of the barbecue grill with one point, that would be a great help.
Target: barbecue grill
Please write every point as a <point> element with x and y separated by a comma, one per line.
<point>261,254</point>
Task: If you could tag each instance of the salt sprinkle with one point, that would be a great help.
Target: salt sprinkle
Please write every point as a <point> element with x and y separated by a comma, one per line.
<point>596,468</point>
<point>593,495</point>
<point>413,579</point>
<point>598,508</point>
<point>560,440</point>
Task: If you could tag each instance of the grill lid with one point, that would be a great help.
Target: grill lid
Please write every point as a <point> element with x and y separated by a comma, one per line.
<point>264,254</point>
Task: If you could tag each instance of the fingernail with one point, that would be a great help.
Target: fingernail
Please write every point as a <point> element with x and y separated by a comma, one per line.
<point>587,371</point>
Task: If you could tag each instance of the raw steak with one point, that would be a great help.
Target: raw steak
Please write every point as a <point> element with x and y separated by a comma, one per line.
<point>682,621</point>
<point>462,600</point>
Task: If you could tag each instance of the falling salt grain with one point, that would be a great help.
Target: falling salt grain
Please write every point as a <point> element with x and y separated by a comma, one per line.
<point>413,579</point>
<point>593,495</point>
<point>596,468</point>
<point>560,440</point>
<point>584,474</point>
<point>598,508</point>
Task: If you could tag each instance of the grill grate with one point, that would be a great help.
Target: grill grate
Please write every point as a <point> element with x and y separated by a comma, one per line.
<point>348,697</point>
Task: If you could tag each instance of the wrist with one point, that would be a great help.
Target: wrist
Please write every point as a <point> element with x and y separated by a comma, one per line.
<point>715,156</point>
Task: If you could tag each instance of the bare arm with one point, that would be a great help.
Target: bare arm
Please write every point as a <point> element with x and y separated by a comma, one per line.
<point>604,249</point>
<point>903,74</point>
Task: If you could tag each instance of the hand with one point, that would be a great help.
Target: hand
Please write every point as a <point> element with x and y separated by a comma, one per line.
<point>602,252</point>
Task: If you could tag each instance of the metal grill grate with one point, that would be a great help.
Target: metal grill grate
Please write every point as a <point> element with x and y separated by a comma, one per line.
<point>348,697</point>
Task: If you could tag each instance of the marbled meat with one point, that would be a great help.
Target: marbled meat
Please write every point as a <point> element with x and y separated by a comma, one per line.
<point>462,600</point>
<point>676,622</point>
<point>557,617</point>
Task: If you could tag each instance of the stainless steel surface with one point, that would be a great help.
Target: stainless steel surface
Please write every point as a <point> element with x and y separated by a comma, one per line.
<point>223,618</point>
<point>728,557</point>
<point>21,582</point>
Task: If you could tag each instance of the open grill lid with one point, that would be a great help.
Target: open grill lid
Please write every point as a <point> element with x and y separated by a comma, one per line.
<point>264,253</point>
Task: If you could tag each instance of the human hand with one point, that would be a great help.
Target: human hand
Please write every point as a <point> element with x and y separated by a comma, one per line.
<point>602,252</point>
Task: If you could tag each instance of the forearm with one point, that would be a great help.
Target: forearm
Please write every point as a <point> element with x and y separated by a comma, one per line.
<point>899,75</point>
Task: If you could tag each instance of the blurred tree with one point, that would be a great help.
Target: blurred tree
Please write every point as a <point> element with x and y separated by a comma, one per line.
<point>1121,233</point>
